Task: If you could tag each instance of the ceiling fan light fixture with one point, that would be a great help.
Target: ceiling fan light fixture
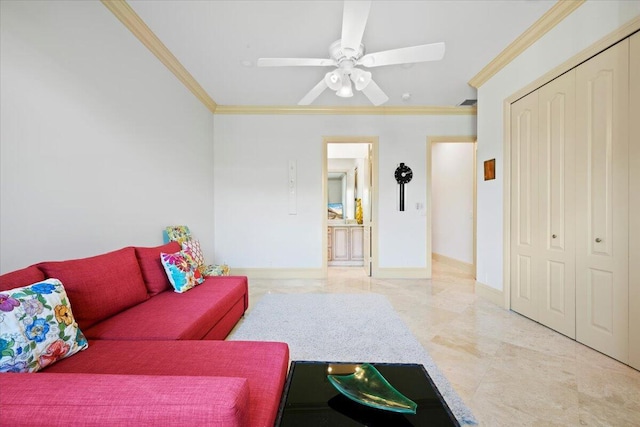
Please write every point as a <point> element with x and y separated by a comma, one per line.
<point>345,90</point>
<point>333,79</point>
<point>360,78</point>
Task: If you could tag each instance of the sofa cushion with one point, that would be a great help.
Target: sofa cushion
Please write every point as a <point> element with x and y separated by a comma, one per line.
<point>172,316</point>
<point>181,270</point>
<point>100,286</point>
<point>263,364</point>
<point>19,278</point>
<point>38,327</point>
<point>119,400</point>
<point>155,278</point>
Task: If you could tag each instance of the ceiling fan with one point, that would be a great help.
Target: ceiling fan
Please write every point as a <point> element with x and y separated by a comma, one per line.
<point>348,53</point>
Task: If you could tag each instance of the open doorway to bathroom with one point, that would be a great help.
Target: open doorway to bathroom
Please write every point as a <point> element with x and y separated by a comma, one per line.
<point>350,194</point>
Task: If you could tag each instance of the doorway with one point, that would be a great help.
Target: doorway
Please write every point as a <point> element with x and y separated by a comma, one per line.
<point>451,200</point>
<point>349,203</point>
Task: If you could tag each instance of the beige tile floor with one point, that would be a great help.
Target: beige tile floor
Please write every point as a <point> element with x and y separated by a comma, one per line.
<point>508,369</point>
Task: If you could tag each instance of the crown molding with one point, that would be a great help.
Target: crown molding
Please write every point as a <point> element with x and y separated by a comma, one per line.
<point>338,110</point>
<point>135,24</point>
<point>455,138</point>
<point>550,19</point>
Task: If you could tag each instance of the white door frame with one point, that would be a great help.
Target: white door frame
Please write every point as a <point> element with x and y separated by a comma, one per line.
<point>373,140</point>
<point>452,139</point>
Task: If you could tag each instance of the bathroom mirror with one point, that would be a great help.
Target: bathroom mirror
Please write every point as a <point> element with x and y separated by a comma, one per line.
<point>337,191</point>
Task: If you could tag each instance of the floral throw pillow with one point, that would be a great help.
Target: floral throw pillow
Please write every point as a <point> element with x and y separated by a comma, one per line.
<point>215,270</point>
<point>176,233</point>
<point>182,272</point>
<point>37,327</point>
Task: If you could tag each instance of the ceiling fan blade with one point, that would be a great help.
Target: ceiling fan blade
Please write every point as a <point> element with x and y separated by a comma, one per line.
<point>296,62</point>
<point>405,55</point>
<point>354,19</point>
<point>313,93</point>
<point>375,94</point>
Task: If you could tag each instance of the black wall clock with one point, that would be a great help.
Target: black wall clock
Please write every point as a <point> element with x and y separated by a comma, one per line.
<point>403,175</point>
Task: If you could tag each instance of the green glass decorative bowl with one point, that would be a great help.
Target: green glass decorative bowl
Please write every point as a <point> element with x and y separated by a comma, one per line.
<point>368,387</point>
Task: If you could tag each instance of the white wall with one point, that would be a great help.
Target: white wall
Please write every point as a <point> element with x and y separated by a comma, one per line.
<point>589,23</point>
<point>452,200</point>
<point>253,227</point>
<point>347,150</point>
<point>101,146</point>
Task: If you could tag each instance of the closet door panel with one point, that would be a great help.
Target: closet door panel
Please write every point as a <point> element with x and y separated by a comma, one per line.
<point>634,202</point>
<point>524,206</point>
<point>602,95</point>
<point>556,300</point>
<point>556,203</point>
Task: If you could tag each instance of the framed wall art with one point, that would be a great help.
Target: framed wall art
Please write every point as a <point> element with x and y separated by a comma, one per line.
<point>489,169</point>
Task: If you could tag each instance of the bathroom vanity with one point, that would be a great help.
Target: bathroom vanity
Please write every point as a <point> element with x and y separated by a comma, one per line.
<point>345,244</point>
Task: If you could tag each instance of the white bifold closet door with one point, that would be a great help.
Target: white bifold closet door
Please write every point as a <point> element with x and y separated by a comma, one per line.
<point>602,201</point>
<point>575,203</point>
<point>542,205</point>
<point>557,204</point>
<point>525,251</point>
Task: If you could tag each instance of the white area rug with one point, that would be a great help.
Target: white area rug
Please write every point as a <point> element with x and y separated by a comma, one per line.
<point>343,328</point>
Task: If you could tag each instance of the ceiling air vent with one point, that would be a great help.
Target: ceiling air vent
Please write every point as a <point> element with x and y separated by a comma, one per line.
<point>468,103</point>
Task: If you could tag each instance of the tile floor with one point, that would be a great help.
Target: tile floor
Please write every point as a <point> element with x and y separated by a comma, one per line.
<point>508,369</point>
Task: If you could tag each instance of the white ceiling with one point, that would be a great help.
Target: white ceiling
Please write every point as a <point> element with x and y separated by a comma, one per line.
<point>212,39</point>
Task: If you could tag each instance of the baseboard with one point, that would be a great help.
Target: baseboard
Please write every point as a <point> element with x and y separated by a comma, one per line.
<point>345,264</point>
<point>401,273</point>
<point>317,273</point>
<point>489,293</point>
<point>452,262</point>
<point>279,273</point>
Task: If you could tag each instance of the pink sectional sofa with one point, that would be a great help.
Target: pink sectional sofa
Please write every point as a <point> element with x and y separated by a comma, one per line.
<point>155,357</point>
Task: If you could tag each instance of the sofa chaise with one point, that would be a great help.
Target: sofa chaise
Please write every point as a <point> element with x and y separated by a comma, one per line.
<point>154,356</point>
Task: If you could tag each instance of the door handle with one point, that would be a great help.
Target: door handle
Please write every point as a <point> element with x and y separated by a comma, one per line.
<point>553,236</point>
<point>598,240</point>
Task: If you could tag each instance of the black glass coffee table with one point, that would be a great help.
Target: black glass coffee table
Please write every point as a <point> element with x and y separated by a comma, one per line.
<point>309,399</point>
